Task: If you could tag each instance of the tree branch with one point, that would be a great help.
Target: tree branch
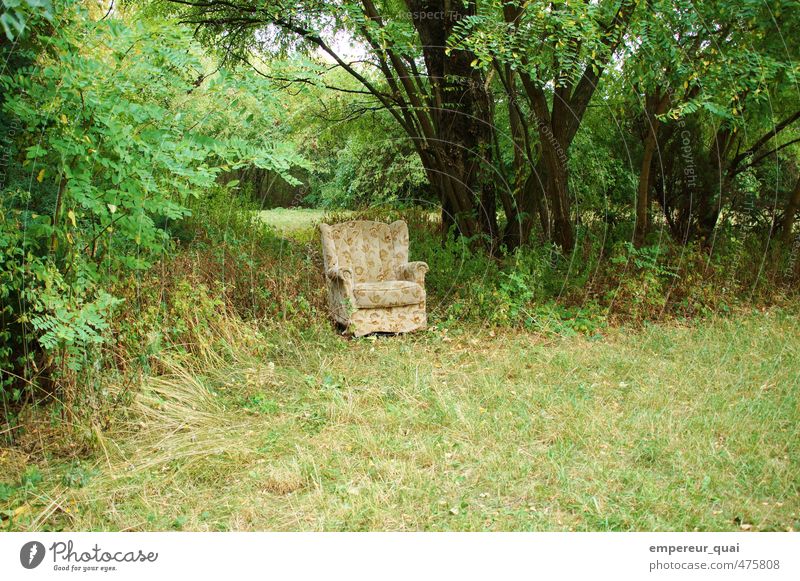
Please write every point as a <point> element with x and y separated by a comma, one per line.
<point>765,138</point>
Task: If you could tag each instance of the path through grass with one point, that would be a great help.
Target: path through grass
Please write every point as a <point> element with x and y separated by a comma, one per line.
<point>293,221</point>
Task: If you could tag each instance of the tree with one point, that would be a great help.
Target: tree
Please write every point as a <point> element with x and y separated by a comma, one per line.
<point>716,86</point>
<point>553,56</point>
<point>111,140</point>
<point>434,93</point>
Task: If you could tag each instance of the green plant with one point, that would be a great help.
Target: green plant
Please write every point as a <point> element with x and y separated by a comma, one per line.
<point>642,279</point>
<point>557,319</point>
<point>647,259</point>
<point>261,404</point>
<point>114,135</point>
<point>77,476</point>
<point>18,16</point>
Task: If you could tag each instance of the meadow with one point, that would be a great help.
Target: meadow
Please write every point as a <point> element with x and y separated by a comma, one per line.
<point>673,426</point>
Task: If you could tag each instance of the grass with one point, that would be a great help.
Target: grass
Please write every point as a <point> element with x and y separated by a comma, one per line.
<point>292,221</point>
<point>668,428</point>
<point>461,428</point>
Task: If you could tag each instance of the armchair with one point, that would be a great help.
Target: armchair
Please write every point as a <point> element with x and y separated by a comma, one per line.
<point>371,285</point>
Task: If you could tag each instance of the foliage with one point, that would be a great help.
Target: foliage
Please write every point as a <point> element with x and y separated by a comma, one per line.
<point>357,154</point>
<point>368,172</point>
<point>499,105</point>
<point>18,16</point>
<point>114,139</point>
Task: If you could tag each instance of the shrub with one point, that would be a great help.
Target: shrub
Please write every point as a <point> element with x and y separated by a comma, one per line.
<point>114,141</point>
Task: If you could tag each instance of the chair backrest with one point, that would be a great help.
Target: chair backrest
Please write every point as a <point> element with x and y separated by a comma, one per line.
<point>374,251</point>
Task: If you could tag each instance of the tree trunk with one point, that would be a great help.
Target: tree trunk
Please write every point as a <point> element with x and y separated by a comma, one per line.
<point>529,206</point>
<point>461,114</point>
<point>717,181</point>
<point>787,224</point>
<point>642,193</point>
<point>514,234</point>
<point>655,105</point>
<point>557,194</point>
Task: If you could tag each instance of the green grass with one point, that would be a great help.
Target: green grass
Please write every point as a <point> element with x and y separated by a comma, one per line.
<point>292,221</point>
<point>668,428</point>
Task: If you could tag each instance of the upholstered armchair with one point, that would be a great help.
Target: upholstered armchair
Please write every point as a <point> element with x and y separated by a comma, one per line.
<point>372,286</point>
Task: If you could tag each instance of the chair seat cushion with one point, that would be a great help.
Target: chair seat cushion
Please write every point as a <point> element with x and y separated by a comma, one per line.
<point>388,293</point>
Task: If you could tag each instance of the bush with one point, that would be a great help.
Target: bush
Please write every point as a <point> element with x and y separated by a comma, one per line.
<point>116,148</point>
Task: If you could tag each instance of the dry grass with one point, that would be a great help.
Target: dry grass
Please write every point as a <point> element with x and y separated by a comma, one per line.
<point>667,429</point>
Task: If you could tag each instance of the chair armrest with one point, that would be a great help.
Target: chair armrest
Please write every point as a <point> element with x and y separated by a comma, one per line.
<point>342,274</point>
<point>414,271</point>
<point>342,283</point>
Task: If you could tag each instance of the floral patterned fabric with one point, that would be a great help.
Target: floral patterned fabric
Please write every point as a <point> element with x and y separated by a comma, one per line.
<point>390,293</point>
<point>388,320</point>
<point>371,285</point>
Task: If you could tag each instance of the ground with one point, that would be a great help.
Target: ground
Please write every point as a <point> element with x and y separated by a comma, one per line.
<point>662,428</point>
